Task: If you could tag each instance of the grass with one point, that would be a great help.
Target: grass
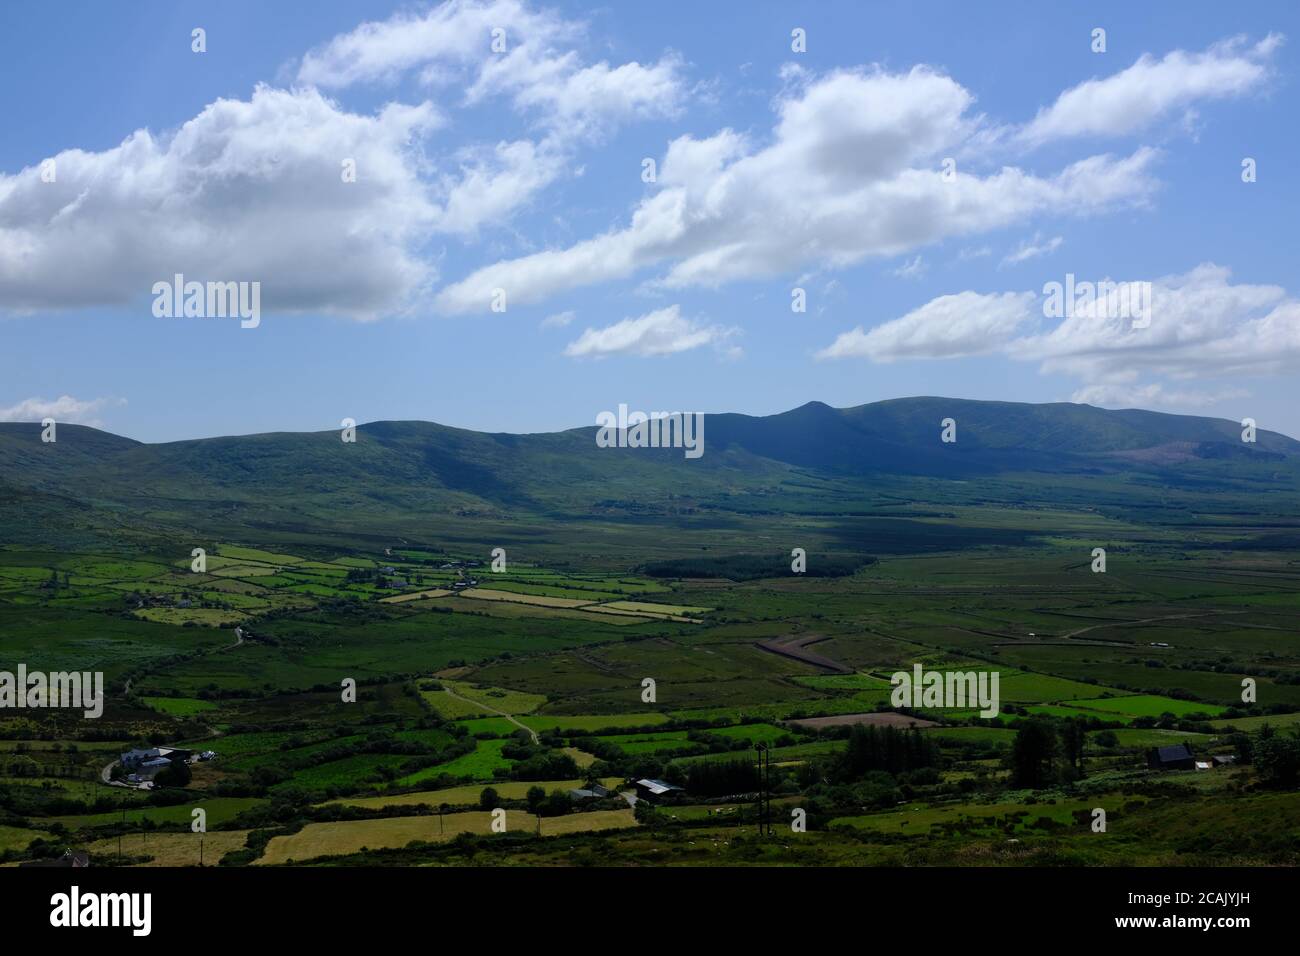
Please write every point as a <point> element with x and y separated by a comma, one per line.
<point>477,765</point>
<point>468,794</point>
<point>180,706</point>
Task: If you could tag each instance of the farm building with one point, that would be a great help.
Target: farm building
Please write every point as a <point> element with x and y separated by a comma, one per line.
<point>655,789</point>
<point>153,759</point>
<point>593,791</point>
<point>1173,757</point>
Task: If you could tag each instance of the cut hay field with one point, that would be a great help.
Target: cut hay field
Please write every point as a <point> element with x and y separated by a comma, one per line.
<point>173,849</point>
<point>415,596</point>
<point>541,600</point>
<point>352,836</point>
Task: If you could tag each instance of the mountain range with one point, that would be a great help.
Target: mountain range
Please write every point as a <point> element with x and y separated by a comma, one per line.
<point>812,458</point>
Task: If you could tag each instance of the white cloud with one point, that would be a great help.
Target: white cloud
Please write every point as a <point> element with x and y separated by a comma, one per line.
<point>65,408</point>
<point>662,332</point>
<point>1202,328</point>
<point>1201,325</point>
<point>446,36</point>
<point>539,71</point>
<point>246,191</point>
<point>559,320</point>
<point>1032,249</point>
<point>1119,395</point>
<point>851,171</point>
<point>1151,89</point>
<point>951,326</point>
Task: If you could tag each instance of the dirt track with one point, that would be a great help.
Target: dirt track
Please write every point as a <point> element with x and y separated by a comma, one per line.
<point>796,646</point>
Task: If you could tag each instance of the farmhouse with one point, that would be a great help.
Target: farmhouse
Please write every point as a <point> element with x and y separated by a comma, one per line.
<point>655,789</point>
<point>1174,757</point>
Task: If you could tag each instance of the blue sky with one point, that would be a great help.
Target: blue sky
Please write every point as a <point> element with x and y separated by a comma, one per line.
<point>521,170</point>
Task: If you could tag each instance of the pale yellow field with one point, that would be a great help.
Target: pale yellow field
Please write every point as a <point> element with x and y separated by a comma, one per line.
<point>351,836</point>
<point>513,609</point>
<point>581,758</point>
<point>615,612</point>
<point>207,616</point>
<point>174,849</point>
<point>541,600</point>
<point>415,596</point>
<point>612,610</point>
<point>245,571</point>
<point>658,608</point>
<point>459,796</point>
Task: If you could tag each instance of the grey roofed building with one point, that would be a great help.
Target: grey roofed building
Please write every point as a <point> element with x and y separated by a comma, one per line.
<point>1172,757</point>
<point>648,789</point>
<point>133,758</point>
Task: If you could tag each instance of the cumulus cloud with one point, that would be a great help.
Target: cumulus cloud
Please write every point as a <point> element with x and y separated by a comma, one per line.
<point>65,408</point>
<point>246,191</point>
<point>851,171</point>
<point>951,326</point>
<point>1152,89</point>
<point>662,332</point>
<point>253,190</point>
<point>1202,327</point>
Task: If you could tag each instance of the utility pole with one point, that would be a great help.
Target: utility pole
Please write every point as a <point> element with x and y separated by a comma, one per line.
<point>764,789</point>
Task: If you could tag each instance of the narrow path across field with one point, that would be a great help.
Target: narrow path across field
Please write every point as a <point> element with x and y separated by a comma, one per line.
<point>500,713</point>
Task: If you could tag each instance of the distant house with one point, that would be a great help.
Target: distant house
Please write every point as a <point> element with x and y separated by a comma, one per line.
<point>1173,757</point>
<point>1224,760</point>
<point>655,789</point>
